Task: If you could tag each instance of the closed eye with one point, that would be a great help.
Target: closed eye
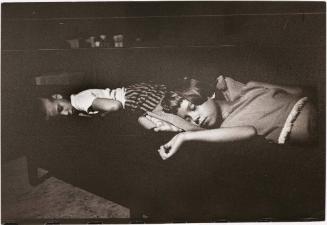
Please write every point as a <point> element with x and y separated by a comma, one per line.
<point>189,119</point>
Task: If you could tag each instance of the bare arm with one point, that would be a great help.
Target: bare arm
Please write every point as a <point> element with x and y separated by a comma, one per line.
<point>289,89</point>
<point>149,122</point>
<point>106,105</point>
<point>228,134</point>
<point>146,123</point>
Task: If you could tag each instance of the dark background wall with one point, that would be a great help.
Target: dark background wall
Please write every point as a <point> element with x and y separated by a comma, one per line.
<point>279,42</point>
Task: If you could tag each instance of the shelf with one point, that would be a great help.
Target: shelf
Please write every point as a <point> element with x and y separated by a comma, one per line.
<point>124,48</point>
<point>166,31</point>
<point>157,47</point>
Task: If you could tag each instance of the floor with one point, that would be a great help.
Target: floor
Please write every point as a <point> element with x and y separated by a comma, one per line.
<point>53,198</point>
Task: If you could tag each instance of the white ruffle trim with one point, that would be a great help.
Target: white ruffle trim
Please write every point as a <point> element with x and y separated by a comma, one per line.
<point>284,134</point>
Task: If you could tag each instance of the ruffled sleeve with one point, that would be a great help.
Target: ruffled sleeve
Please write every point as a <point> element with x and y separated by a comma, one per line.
<point>230,88</point>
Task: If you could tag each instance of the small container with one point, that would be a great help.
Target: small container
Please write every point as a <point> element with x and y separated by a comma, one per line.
<point>103,37</point>
<point>97,44</point>
<point>118,40</point>
<point>104,43</point>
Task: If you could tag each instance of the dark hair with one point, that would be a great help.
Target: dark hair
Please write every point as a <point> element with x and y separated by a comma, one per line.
<point>171,102</point>
<point>191,89</point>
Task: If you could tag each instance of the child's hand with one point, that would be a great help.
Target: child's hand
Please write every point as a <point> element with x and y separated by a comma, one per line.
<point>170,148</point>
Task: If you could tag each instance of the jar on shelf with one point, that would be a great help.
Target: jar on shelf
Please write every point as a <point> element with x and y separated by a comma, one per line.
<point>104,42</point>
<point>118,40</point>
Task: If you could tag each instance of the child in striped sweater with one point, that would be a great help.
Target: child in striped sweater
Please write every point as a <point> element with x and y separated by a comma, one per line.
<point>138,98</point>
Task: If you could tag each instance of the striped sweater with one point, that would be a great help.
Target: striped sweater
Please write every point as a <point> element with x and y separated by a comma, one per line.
<point>144,96</point>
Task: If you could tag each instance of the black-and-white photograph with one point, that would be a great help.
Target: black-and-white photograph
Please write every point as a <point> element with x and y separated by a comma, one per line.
<point>163,112</point>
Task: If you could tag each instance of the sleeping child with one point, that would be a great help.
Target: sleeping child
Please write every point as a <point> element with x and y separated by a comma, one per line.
<point>138,98</point>
<point>235,111</point>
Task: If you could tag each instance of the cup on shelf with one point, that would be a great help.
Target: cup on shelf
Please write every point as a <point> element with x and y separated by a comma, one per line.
<point>118,40</point>
<point>103,37</point>
<point>97,44</point>
<point>104,42</point>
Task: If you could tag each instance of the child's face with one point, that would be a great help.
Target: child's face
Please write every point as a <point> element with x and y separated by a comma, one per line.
<point>56,107</point>
<point>206,115</point>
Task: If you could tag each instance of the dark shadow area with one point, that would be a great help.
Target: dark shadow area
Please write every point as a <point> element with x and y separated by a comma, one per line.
<point>246,181</point>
